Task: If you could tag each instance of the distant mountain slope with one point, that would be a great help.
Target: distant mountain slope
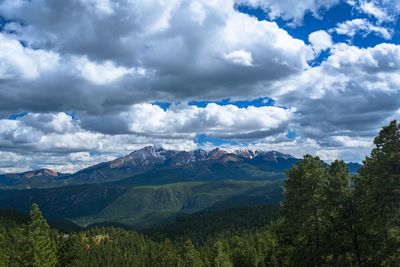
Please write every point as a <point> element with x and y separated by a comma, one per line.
<point>63,202</point>
<point>147,205</point>
<point>353,167</point>
<point>204,226</point>
<point>267,194</point>
<point>137,206</point>
<point>10,217</point>
<point>29,179</point>
<point>210,170</point>
<point>155,161</point>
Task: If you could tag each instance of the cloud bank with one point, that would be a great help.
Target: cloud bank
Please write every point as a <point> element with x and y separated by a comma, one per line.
<point>73,94</point>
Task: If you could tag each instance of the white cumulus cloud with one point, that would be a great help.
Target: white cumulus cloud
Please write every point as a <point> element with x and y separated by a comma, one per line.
<point>17,61</point>
<point>240,57</point>
<point>320,40</point>
<point>362,27</point>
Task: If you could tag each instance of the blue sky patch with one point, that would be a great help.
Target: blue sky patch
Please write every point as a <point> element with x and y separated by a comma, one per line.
<point>329,20</point>
<point>291,134</point>
<point>163,105</point>
<point>258,102</point>
<point>16,116</point>
<point>73,115</point>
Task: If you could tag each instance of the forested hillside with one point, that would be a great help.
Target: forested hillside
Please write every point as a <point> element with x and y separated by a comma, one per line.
<point>327,218</point>
<point>140,206</point>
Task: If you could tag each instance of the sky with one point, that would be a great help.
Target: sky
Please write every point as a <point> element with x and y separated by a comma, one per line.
<point>85,81</point>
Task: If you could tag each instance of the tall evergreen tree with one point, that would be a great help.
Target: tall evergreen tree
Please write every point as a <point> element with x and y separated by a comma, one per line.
<point>341,236</point>
<point>378,192</point>
<point>243,254</point>
<point>40,248</point>
<point>221,258</point>
<point>302,227</point>
<point>190,255</point>
<point>71,251</point>
<point>167,255</point>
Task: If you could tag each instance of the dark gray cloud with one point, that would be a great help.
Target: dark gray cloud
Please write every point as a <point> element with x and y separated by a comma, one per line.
<point>106,60</point>
<point>183,50</point>
<point>351,95</point>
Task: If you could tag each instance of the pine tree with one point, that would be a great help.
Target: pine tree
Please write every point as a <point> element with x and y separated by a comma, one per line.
<point>190,256</point>
<point>378,192</point>
<point>72,251</point>
<point>221,259</point>
<point>301,231</point>
<point>243,254</point>
<point>341,237</point>
<point>40,248</point>
<point>167,255</point>
<point>4,251</point>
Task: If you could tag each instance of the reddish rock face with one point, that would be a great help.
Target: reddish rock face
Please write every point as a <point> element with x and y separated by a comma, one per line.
<point>216,153</point>
<point>41,172</point>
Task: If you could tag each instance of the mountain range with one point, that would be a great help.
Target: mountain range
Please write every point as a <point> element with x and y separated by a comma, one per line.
<point>152,185</point>
<point>153,159</point>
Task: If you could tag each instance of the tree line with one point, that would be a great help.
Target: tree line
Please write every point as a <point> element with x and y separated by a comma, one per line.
<point>327,218</point>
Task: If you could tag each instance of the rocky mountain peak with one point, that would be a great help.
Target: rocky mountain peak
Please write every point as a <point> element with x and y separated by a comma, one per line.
<point>156,155</point>
<point>246,153</point>
<point>216,153</point>
<point>149,152</point>
<point>41,172</point>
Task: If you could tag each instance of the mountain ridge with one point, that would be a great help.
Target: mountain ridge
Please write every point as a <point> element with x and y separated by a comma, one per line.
<point>136,162</point>
<point>153,159</point>
<point>42,175</point>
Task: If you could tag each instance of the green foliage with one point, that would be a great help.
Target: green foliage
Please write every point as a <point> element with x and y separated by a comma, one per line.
<point>137,206</point>
<point>242,254</point>
<point>221,258</point>
<point>144,206</point>
<point>339,217</point>
<point>62,202</point>
<point>378,194</point>
<point>319,216</point>
<point>331,218</point>
<point>72,250</point>
<point>40,249</point>
<point>167,255</point>
<point>190,256</point>
<point>4,250</point>
<point>211,225</point>
<point>303,223</point>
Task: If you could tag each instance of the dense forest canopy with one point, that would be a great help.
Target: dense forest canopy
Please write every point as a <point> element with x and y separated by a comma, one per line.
<point>327,218</point>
